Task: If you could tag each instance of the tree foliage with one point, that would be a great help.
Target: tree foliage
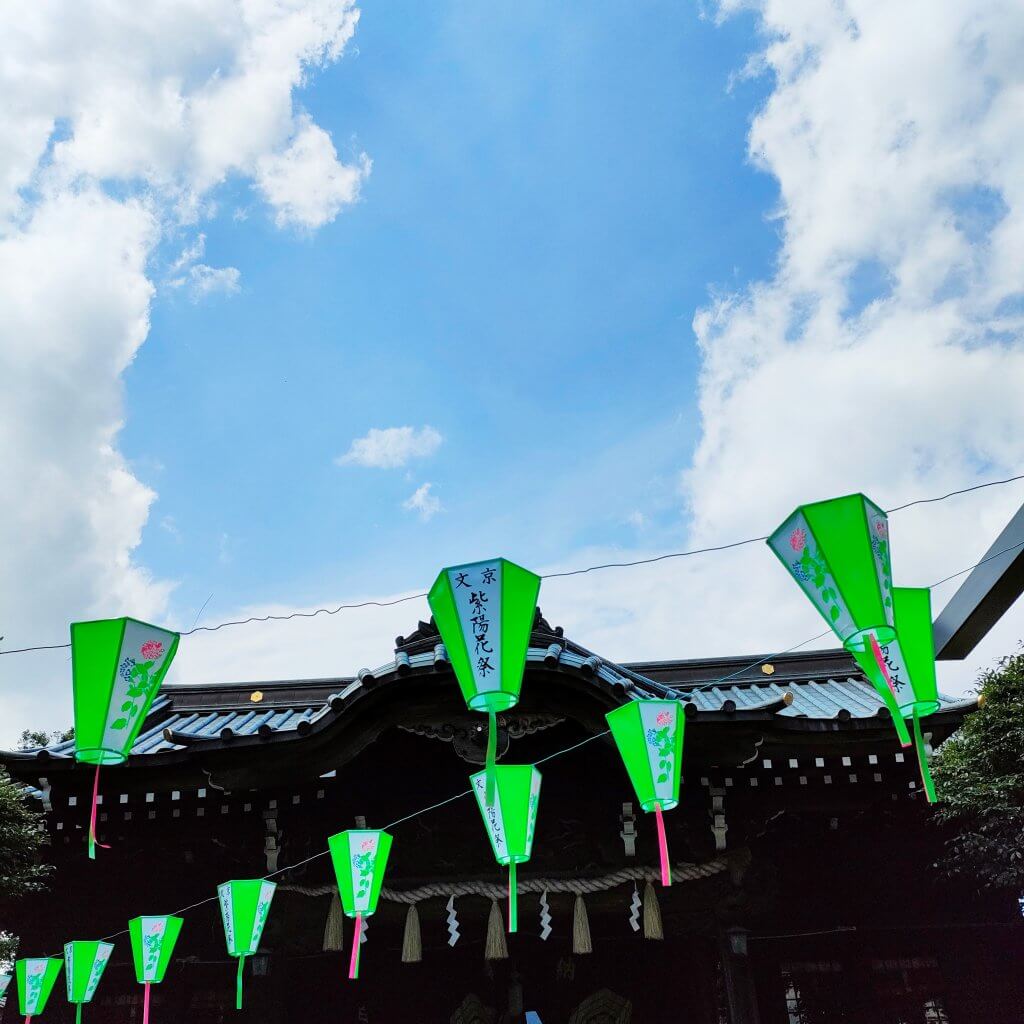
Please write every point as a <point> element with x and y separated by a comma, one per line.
<point>22,838</point>
<point>32,738</point>
<point>979,776</point>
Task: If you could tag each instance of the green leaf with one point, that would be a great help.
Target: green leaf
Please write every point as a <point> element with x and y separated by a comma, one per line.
<point>121,723</point>
<point>663,777</point>
<point>833,612</point>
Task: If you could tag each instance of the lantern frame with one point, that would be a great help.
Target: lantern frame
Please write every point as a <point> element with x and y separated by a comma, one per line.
<point>25,971</point>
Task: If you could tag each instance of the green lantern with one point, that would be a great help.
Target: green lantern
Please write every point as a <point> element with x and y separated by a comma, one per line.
<point>153,941</point>
<point>484,612</point>
<point>510,818</point>
<point>244,905</point>
<point>909,660</point>
<point>84,964</point>
<point>117,666</point>
<point>36,978</point>
<point>838,553</point>
<point>360,857</point>
<point>649,735</point>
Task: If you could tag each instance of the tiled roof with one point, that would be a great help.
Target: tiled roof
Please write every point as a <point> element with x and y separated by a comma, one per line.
<point>184,715</point>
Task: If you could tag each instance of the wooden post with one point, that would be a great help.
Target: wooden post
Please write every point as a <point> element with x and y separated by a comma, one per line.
<point>740,991</point>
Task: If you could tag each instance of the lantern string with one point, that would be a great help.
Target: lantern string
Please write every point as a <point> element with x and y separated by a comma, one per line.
<point>666,871</point>
<point>513,898</point>
<point>922,759</point>
<point>353,964</point>
<point>238,983</point>
<point>573,572</point>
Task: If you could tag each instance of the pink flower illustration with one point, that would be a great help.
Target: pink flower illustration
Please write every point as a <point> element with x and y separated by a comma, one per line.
<point>664,717</point>
<point>880,527</point>
<point>151,650</point>
<point>798,539</point>
<point>367,844</point>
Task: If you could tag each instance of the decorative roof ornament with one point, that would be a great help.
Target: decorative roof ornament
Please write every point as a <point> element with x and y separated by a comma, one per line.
<point>649,735</point>
<point>484,612</point>
<point>117,666</point>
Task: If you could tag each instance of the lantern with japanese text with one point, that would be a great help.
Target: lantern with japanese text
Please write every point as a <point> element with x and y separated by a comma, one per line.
<point>36,978</point>
<point>84,964</point>
<point>510,818</point>
<point>649,735</point>
<point>153,941</point>
<point>244,906</point>
<point>360,857</point>
<point>117,666</point>
<point>484,612</point>
<point>909,660</point>
<point>838,553</point>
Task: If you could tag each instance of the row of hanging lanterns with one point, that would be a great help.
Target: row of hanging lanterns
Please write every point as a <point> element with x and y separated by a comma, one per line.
<point>837,551</point>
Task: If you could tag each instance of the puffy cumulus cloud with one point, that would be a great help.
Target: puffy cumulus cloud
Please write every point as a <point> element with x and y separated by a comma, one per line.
<point>885,354</point>
<point>306,183</point>
<point>391,447</point>
<point>118,122</point>
<point>424,502</point>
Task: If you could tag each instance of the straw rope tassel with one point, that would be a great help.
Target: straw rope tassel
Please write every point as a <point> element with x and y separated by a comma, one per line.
<point>496,948</point>
<point>652,914</point>
<point>334,928</point>
<point>412,941</point>
<point>581,928</point>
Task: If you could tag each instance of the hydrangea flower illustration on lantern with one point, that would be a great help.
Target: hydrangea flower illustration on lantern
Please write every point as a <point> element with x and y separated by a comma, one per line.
<point>484,612</point>
<point>36,978</point>
<point>909,660</point>
<point>360,857</point>
<point>84,964</point>
<point>510,818</point>
<point>117,666</point>
<point>244,906</point>
<point>838,552</point>
<point>153,941</point>
<point>649,735</point>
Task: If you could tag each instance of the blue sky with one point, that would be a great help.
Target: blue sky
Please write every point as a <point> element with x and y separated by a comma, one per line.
<point>553,192</point>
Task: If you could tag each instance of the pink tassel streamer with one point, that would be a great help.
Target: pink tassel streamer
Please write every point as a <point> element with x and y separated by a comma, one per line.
<point>353,964</point>
<point>666,873</point>
<point>145,1003</point>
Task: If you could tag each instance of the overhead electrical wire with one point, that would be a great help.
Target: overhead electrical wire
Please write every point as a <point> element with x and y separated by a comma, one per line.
<point>553,575</point>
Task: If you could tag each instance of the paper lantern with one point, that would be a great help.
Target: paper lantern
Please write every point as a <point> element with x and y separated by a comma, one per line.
<point>84,964</point>
<point>510,818</point>
<point>36,977</point>
<point>5,980</point>
<point>838,552</point>
<point>649,735</point>
<point>117,666</point>
<point>244,905</point>
<point>484,612</point>
<point>909,659</point>
<point>360,857</point>
<point>153,941</point>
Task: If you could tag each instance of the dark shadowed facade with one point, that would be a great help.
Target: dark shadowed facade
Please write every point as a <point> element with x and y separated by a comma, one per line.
<point>802,845</point>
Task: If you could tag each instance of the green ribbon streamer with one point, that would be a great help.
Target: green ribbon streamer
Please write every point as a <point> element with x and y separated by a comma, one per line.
<point>492,753</point>
<point>238,983</point>
<point>922,760</point>
<point>78,1013</point>
<point>513,898</point>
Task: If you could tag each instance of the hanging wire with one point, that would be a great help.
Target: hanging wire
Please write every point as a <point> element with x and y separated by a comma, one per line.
<point>547,576</point>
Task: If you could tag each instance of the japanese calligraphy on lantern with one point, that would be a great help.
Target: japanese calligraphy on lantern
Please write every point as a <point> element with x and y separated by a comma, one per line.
<point>477,592</point>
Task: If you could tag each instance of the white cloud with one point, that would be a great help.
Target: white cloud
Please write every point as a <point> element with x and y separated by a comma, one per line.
<point>306,183</point>
<point>424,502</point>
<point>118,121</point>
<point>391,447</point>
